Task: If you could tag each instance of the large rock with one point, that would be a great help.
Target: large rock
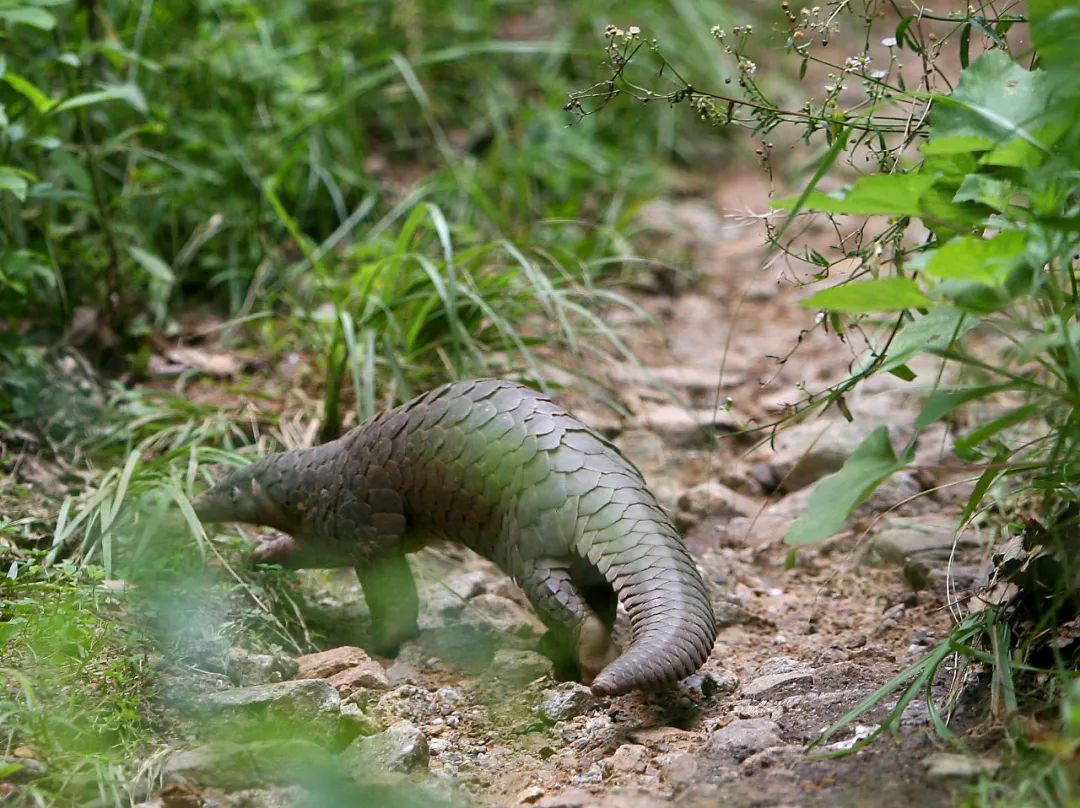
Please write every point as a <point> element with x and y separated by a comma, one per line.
<point>401,748</point>
<point>304,708</point>
<point>683,426</point>
<point>711,499</point>
<point>245,668</point>
<point>567,700</point>
<point>517,667</point>
<point>778,685</point>
<point>324,664</point>
<point>742,738</point>
<point>235,766</point>
<point>630,757</point>
<point>804,453</point>
<point>904,537</point>
<point>501,616</point>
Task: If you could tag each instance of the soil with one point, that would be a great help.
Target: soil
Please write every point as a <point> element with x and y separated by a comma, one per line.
<point>804,636</point>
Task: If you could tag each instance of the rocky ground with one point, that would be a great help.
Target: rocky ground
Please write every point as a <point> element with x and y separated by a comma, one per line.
<point>470,713</point>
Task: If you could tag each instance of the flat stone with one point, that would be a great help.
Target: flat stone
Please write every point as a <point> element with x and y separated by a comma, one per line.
<point>401,748</point>
<point>502,616</point>
<point>567,700</point>
<point>571,798</point>
<point>305,708</point>
<point>951,766</point>
<point>368,676</point>
<point>903,537</point>
<point>298,696</point>
<point>324,664</point>
<point>742,738</point>
<point>778,685</point>
<point>804,453</point>
<point>245,668</point>
<point>682,426</point>
<point>630,757</point>
<point>248,765</point>
<point>678,769</point>
<point>711,499</point>
<point>519,667</point>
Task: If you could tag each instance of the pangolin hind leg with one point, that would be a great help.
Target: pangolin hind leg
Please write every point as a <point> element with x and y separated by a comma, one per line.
<point>390,592</point>
<point>579,636</point>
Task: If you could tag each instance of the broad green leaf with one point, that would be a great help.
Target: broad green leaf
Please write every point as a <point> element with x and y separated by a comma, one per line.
<point>989,191</point>
<point>28,15</point>
<point>956,144</point>
<point>941,402</point>
<point>862,297</point>
<point>983,298</point>
<point>836,496</point>
<point>1055,28</point>
<point>14,180</point>
<point>934,332</point>
<point>971,258</point>
<point>874,194</point>
<point>153,265</point>
<point>27,89</point>
<point>128,93</point>
<point>966,444</point>
<point>996,99</point>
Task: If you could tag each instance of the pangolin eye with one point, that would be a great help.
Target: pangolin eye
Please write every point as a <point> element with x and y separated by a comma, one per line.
<point>235,493</point>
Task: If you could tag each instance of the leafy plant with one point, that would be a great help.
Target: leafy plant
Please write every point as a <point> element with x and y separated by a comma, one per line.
<point>974,266</point>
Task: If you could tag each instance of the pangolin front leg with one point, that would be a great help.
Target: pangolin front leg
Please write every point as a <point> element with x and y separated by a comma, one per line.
<point>390,592</point>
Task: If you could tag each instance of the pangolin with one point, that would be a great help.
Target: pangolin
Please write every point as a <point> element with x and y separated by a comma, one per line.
<point>504,470</point>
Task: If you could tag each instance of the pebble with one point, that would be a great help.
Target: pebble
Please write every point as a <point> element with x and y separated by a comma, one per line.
<point>571,798</point>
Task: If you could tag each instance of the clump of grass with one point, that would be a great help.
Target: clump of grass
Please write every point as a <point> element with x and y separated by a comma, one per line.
<point>75,684</point>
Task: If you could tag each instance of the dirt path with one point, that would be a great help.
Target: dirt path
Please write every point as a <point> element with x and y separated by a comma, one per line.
<point>800,644</point>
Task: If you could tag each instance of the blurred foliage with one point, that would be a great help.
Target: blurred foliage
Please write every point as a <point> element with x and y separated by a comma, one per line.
<point>388,190</point>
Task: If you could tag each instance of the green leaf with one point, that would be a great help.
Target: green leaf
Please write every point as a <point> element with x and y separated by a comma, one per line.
<point>989,191</point>
<point>861,297</point>
<point>1055,28</point>
<point>30,16</point>
<point>971,258</point>
<point>941,402</point>
<point>128,93</point>
<point>14,180</point>
<point>836,496</point>
<point>934,332</point>
<point>996,99</point>
<point>874,194</point>
<point>154,266</point>
<point>965,445</point>
<point>956,144</point>
<point>27,89</point>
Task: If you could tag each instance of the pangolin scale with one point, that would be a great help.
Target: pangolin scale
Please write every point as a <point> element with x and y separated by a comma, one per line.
<point>505,471</point>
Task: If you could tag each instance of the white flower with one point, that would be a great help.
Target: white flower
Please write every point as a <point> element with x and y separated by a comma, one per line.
<point>633,30</point>
<point>747,67</point>
<point>889,42</point>
<point>878,74</point>
<point>717,32</point>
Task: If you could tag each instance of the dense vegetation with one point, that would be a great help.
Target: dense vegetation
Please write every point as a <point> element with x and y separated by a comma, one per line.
<point>976,266</point>
<point>367,198</point>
